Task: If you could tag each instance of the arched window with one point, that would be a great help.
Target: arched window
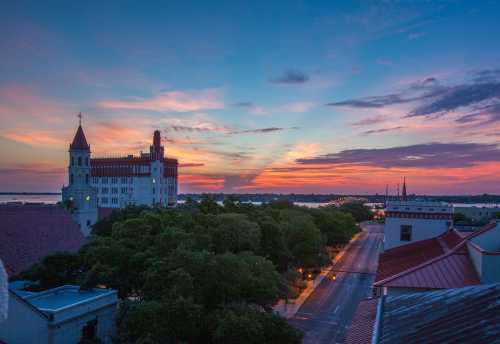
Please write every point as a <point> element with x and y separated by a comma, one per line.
<point>79,161</point>
<point>71,178</point>
<point>72,161</point>
<point>86,161</point>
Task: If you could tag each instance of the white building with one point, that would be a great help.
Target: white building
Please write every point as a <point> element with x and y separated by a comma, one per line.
<point>411,221</point>
<point>478,212</point>
<point>148,179</point>
<point>63,315</point>
<point>79,196</point>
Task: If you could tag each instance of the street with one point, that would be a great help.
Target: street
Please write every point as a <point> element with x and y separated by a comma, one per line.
<point>326,314</point>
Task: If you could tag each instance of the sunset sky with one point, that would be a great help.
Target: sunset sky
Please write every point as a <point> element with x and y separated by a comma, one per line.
<point>250,96</point>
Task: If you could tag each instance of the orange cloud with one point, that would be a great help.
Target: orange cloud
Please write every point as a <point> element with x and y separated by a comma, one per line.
<point>177,101</point>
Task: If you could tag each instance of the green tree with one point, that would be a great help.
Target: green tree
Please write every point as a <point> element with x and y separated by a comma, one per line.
<point>55,270</point>
<point>358,211</point>
<point>303,238</point>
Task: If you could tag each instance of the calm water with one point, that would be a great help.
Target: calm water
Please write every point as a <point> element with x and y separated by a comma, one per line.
<point>56,198</point>
<point>30,198</point>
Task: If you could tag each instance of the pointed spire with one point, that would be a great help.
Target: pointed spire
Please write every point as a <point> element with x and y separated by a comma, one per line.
<point>79,141</point>
<point>404,189</point>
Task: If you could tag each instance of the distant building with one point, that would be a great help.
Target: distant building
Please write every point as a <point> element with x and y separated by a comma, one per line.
<point>148,179</point>
<point>412,221</point>
<point>464,315</point>
<point>29,232</point>
<point>61,315</point>
<point>483,212</point>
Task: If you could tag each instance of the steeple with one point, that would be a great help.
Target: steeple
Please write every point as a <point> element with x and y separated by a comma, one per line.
<point>404,190</point>
<point>79,141</point>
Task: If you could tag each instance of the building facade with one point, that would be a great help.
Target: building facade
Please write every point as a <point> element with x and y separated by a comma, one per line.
<point>101,182</point>
<point>61,315</point>
<point>411,221</point>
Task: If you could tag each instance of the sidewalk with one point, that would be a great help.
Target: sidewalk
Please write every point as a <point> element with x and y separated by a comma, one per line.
<point>288,310</point>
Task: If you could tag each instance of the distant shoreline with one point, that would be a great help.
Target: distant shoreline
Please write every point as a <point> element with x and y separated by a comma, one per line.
<point>30,193</point>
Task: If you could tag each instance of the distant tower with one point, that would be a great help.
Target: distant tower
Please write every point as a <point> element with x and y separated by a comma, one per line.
<point>157,152</point>
<point>405,198</point>
<point>398,193</point>
<point>386,194</point>
<point>79,196</point>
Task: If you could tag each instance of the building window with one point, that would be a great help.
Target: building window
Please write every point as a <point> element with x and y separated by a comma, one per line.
<point>104,200</point>
<point>124,190</point>
<point>95,180</point>
<point>88,223</point>
<point>71,178</point>
<point>114,180</point>
<point>104,190</point>
<point>72,161</point>
<point>86,161</point>
<point>79,161</point>
<point>405,233</point>
<point>105,180</point>
<point>114,200</point>
<point>87,178</point>
<point>114,190</point>
<point>124,180</point>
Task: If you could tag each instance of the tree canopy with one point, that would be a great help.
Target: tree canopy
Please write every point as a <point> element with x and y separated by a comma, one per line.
<point>202,272</point>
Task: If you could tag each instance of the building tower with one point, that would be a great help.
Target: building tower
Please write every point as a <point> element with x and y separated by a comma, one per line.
<point>156,151</point>
<point>79,196</point>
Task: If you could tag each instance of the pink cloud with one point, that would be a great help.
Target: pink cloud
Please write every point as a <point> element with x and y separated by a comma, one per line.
<point>177,101</point>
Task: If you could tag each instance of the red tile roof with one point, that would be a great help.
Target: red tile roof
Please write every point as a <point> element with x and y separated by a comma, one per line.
<point>361,329</point>
<point>29,232</point>
<point>79,141</point>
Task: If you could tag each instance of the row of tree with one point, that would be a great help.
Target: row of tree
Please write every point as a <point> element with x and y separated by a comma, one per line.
<point>202,272</point>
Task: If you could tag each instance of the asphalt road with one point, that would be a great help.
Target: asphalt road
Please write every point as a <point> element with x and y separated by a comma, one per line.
<point>326,314</point>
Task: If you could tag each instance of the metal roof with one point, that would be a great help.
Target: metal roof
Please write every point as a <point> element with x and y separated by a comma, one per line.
<point>464,315</point>
<point>441,262</point>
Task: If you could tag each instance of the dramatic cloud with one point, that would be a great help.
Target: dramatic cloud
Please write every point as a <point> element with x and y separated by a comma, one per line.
<point>433,99</point>
<point>224,130</point>
<point>177,101</point>
<point>484,115</point>
<point>380,131</point>
<point>291,77</point>
<point>369,121</point>
<point>259,131</point>
<point>430,155</point>
<point>459,96</point>
<point>373,102</point>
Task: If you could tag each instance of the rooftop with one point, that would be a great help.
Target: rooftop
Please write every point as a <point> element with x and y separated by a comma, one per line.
<point>32,231</point>
<point>465,315</point>
<point>56,299</point>
<point>441,262</point>
<point>79,141</point>
<point>361,329</point>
